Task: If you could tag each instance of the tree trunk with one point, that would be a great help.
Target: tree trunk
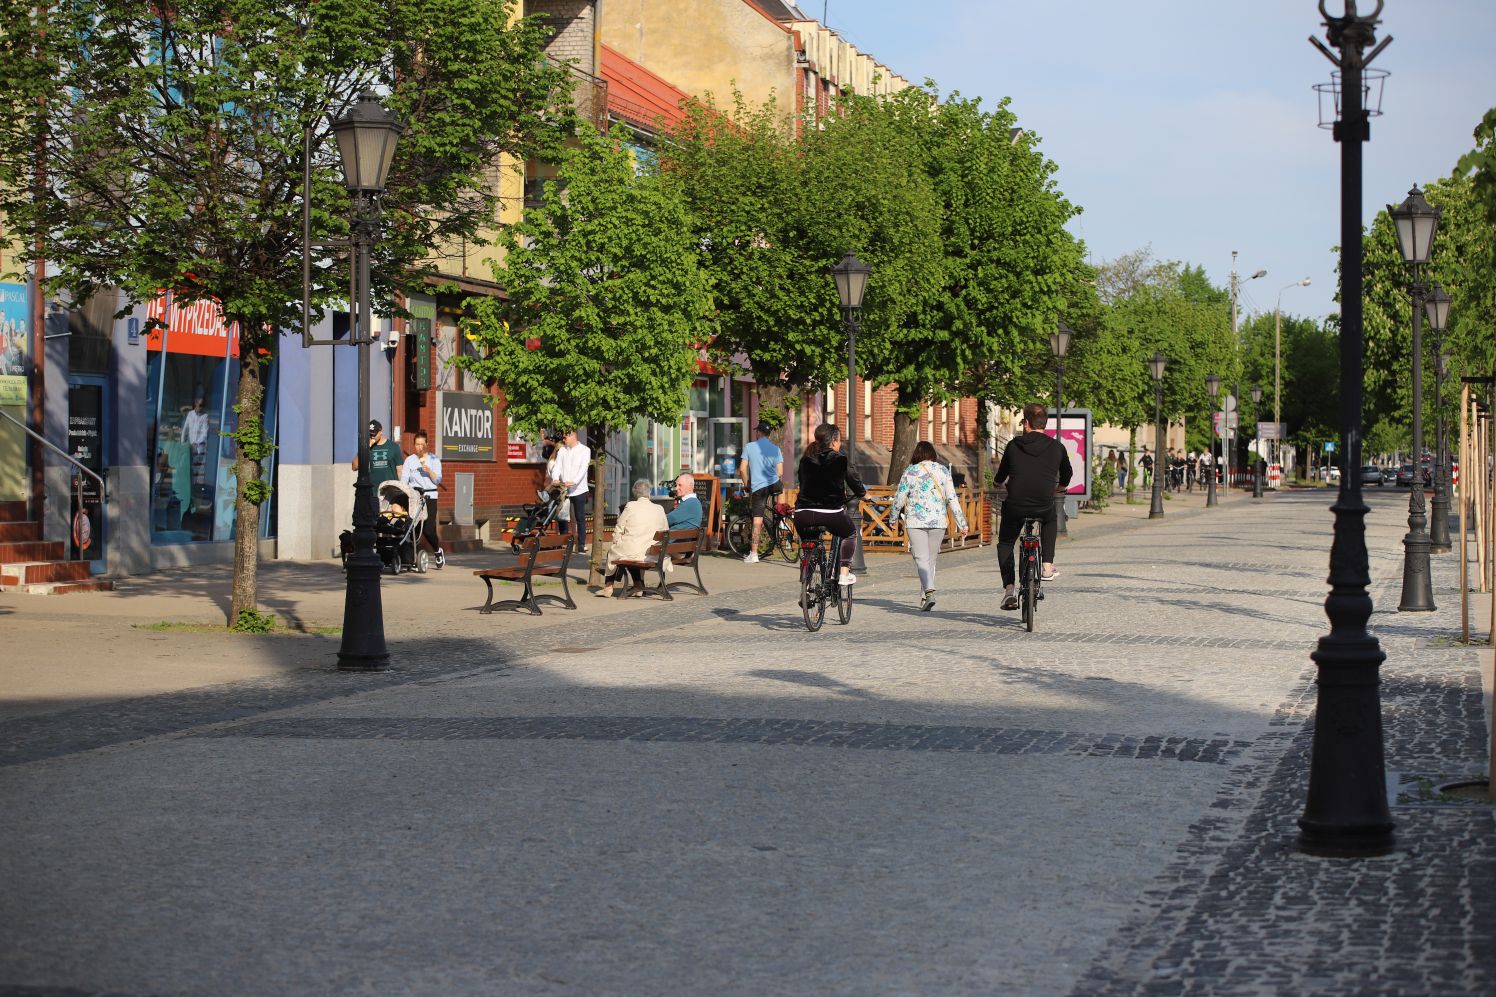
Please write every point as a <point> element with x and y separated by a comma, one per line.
<point>905,429</point>
<point>984,443</point>
<point>771,400</point>
<point>249,495</point>
<point>599,512</point>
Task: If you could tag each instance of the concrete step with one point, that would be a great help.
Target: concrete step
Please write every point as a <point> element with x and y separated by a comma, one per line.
<point>14,551</point>
<point>459,539</point>
<point>36,572</point>
<point>20,532</point>
<point>61,588</point>
<point>12,512</point>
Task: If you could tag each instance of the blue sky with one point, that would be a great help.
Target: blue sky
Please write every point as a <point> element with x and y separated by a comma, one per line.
<point>1191,125</point>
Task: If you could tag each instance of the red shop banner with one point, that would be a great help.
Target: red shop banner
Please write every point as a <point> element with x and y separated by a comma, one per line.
<point>197,328</point>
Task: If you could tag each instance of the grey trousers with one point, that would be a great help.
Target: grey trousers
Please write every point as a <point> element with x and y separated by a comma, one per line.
<point>925,545</point>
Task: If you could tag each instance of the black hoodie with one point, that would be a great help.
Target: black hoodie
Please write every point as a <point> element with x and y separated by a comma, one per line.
<point>825,479</point>
<point>1033,466</point>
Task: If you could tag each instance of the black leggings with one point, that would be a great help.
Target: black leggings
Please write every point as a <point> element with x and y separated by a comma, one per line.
<point>1011,525</point>
<point>838,524</point>
<point>637,574</point>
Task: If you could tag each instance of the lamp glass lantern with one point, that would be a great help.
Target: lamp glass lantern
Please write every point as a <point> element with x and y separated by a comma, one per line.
<point>1213,385</point>
<point>851,280</point>
<point>1256,394</point>
<point>1156,365</point>
<point>366,136</point>
<point>1436,308</point>
<point>1416,222</point>
<point>1059,340</point>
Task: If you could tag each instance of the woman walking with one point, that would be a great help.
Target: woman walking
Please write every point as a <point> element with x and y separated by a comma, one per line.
<point>925,493</point>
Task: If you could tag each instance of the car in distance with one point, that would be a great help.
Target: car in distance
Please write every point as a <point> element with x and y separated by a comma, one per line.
<point>1405,475</point>
<point>1371,475</point>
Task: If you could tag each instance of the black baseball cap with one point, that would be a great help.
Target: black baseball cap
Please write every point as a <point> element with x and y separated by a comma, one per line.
<point>764,427</point>
<point>374,426</point>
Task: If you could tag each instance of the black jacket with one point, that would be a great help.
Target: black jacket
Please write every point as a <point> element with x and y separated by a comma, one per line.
<point>1033,466</point>
<point>825,481</point>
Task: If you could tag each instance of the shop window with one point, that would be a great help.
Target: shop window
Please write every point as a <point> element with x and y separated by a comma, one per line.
<point>192,374</point>
<point>831,405</point>
<point>89,328</point>
<point>867,410</point>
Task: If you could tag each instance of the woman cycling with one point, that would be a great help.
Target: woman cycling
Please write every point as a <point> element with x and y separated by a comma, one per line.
<point>827,482</point>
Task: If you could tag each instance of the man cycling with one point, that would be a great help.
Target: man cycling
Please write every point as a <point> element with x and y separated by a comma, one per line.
<point>1034,467</point>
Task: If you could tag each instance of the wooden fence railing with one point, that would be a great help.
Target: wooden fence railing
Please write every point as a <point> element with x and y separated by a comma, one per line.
<point>881,532</point>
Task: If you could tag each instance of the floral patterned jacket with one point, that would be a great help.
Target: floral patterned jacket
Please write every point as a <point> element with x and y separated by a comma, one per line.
<point>925,492</point>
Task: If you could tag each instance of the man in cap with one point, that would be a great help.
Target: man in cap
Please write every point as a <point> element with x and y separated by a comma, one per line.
<point>763,477</point>
<point>385,458</point>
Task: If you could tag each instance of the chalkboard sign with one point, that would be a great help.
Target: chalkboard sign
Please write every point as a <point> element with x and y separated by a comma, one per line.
<point>707,492</point>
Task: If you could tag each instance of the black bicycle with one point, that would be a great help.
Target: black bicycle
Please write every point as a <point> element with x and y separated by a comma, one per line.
<point>1030,556</point>
<point>820,569</point>
<point>778,532</point>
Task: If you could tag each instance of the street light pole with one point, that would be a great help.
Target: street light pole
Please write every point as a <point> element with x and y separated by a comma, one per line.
<point>1156,365</point>
<point>1346,812</point>
<point>1213,385</point>
<point>851,276</point>
<point>1278,371</point>
<point>1436,308</point>
<point>1059,345</point>
<point>366,138</point>
<point>1235,341</point>
<point>1417,222</point>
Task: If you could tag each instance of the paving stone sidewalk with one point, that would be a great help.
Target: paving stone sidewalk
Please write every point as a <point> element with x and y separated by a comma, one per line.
<point>706,798</point>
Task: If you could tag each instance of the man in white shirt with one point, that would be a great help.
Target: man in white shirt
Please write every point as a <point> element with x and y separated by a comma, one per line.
<point>195,434</point>
<point>423,472</point>
<point>572,461</point>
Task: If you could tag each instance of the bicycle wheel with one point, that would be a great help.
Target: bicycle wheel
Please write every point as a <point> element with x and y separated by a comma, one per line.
<point>1030,593</point>
<point>844,603</point>
<point>739,534</point>
<point>784,536</point>
<point>812,599</point>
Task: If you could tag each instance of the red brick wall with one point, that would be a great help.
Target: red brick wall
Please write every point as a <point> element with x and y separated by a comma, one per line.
<point>495,483</point>
<point>962,431</point>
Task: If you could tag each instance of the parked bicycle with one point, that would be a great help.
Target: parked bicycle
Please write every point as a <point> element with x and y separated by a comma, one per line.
<point>1030,556</point>
<point>778,532</point>
<point>820,567</point>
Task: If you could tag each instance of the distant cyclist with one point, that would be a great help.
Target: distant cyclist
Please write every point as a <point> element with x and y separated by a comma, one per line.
<point>827,483</point>
<point>1034,467</point>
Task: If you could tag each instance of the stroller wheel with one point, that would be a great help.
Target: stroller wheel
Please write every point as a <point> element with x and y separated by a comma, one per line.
<point>423,560</point>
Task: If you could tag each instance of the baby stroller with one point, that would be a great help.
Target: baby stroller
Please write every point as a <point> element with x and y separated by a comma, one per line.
<point>397,531</point>
<point>536,519</point>
<point>397,535</point>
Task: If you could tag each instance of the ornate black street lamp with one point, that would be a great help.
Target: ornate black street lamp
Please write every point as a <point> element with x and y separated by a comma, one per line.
<point>1059,345</point>
<point>1436,310</point>
<point>1156,365</point>
<point>1258,465</point>
<point>1213,385</point>
<point>851,281</point>
<point>366,138</point>
<point>1346,812</point>
<point>1416,222</point>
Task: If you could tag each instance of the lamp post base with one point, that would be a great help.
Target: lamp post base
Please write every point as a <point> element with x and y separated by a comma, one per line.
<point>1417,587</point>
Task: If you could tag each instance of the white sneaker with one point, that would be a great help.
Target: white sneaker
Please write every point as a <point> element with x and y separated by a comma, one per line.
<point>752,558</point>
<point>847,579</point>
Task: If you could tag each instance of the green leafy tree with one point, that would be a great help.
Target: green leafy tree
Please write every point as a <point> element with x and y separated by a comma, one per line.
<point>149,147</point>
<point>776,306</point>
<point>607,303</point>
<point>1480,165</point>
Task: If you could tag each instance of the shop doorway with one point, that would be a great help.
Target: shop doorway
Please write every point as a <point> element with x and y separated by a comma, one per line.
<point>88,443</point>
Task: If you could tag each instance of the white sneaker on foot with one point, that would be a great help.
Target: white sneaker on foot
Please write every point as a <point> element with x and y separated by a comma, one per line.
<point>847,579</point>
<point>752,558</point>
<point>928,602</point>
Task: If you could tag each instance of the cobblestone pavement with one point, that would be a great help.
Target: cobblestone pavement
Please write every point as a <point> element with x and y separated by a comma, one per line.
<point>702,797</point>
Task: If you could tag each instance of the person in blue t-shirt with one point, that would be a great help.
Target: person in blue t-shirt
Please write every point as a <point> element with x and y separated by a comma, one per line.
<point>687,514</point>
<point>763,477</point>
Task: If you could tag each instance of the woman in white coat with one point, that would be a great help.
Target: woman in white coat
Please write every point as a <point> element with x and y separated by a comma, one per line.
<point>925,494</point>
<point>633,535</point>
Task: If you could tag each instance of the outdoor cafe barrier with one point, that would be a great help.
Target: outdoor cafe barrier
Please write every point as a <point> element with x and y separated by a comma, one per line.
<point>882,532</point>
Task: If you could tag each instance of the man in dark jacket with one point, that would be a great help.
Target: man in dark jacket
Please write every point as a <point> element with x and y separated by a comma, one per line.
<point>1034,467</point>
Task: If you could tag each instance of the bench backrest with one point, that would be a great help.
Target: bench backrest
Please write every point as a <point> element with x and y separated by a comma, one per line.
<point>552,548</point>
<point>678,545</point>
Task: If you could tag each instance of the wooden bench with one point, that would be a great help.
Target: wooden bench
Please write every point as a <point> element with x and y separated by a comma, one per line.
<point>539,555</point>
<point>683,548</point>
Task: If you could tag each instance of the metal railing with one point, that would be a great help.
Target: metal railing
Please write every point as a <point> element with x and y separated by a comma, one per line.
<point>103,485</point>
